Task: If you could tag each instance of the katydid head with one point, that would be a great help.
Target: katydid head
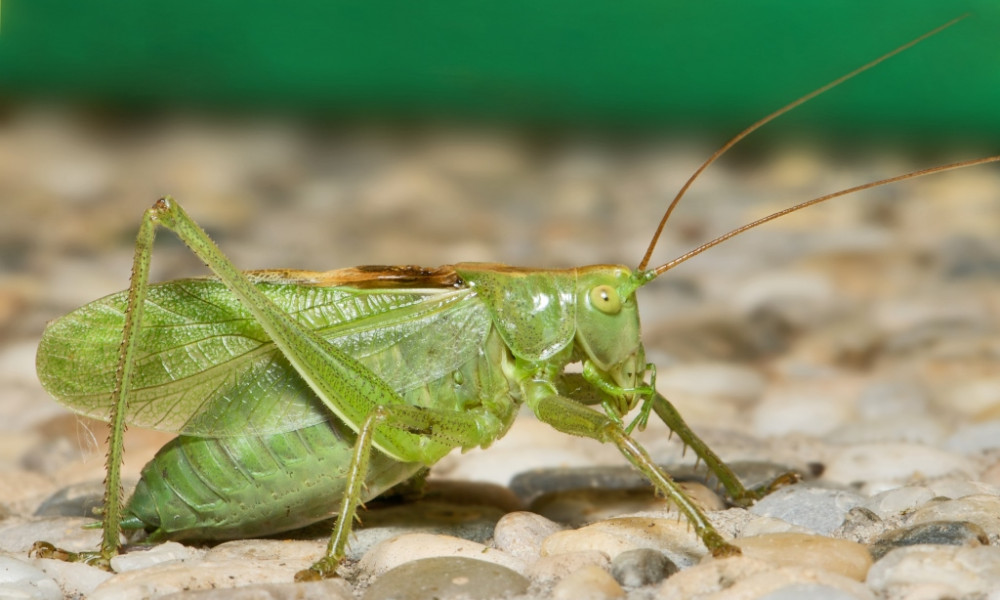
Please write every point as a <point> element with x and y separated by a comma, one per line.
<point>607,328</point>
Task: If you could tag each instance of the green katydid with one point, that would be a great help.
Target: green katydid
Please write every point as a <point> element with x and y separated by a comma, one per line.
<point>294,391</point>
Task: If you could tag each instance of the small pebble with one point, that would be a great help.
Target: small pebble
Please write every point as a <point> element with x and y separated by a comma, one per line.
<point>860,525</point>
<point>557,566</point>
<point>165,553</point>
<point>950,533</point>
<point>77,500</point>
<point>981,510</point>
<point>956,571</point>
<point>19,579</point>
<point>748,578</point>
<point>75,579</point>
<point>589,583</point>
<point>302,552</point>
<point>759,525</point>
<point>897,500</point>
<point>820,510</point>
<point>642,566</point>
<point>955,488</point>
<point>710,577</point>
<point>447,578</point>
<point>521,534</point>
<point>673,537</point>
<point>393,552</point>
<point>842,557</point>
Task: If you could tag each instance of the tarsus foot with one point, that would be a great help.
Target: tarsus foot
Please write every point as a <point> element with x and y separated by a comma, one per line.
<point>47,550</point>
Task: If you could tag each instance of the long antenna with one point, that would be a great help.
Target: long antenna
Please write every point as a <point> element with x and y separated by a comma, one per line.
<point>691,254</point>
<point>739,136</point>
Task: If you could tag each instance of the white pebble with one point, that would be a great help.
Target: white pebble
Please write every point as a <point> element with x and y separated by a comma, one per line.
<point>760,525</point>
<point>898,500</point>
<point>954,488</point>
<point>18,579</point>
<point>521,534</point>
<point>744,578</point>
<point>673,537</point>
<point>957,571</point>
<point>183,576</point>
<point>391,553</point>
<point>75,579</point>
<point>168,552</point>
<point>303,551</point>
<point>590,582</point>
<point>557,566</point>
<point>843,557</point>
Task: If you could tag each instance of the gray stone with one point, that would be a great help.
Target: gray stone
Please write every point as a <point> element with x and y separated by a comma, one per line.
<point>642,566</point>
<point>818,509</point>
<point>446,578</point>
<point>77,500</point>
<point>951,533</point>
<point>579,507</point>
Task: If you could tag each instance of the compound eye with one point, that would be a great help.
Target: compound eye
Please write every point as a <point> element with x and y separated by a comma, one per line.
<point>606,299</point>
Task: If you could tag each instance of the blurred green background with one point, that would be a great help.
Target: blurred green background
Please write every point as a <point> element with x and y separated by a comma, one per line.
<point>639,64</point>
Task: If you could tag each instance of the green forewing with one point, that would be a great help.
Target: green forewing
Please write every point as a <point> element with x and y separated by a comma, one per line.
<point>205,367</point>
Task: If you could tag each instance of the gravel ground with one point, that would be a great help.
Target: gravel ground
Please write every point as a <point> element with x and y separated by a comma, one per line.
<point>856,343</point>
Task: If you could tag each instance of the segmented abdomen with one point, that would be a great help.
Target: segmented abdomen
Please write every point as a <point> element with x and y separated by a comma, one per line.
<point>245,486</point>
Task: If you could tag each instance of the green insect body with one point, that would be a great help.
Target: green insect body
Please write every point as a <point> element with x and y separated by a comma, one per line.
<point>261,452</point>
